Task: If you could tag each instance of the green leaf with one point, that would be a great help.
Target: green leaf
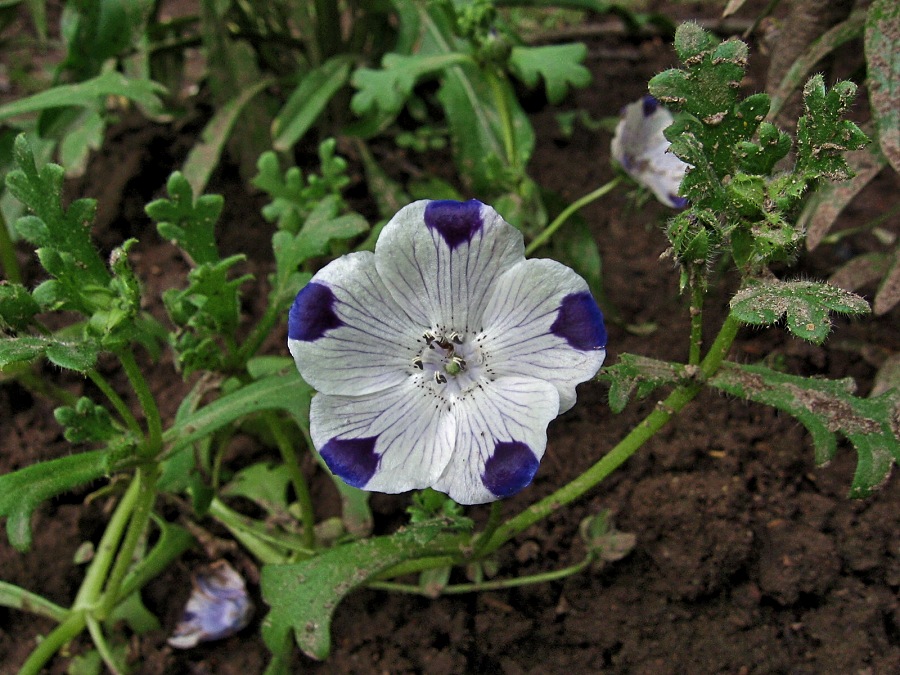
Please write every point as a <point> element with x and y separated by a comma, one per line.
<point>882,46</point>
<point>80,356</point>
<point>826,407</point>
<point>86,422</point>
<point>85,94</point>
<point>65,232</point>
<point>822,136</point>
<point>303,596</point>
<point>188,223</point>
<point>204,157</point>
<point>558,65</point>
<point>22,491</point>
<point>286,392</point>
<point>387,90</point>
<point>806,304</point>
<point>17,307</point>
<point>307,102</point>
<point>640,375</point>
<point>264,484</point>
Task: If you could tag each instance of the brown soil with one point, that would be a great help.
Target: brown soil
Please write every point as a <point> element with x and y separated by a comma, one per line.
<point>748,558</point>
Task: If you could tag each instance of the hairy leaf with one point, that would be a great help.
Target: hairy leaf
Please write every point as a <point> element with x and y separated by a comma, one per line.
<point>188,223</point>
<point>639,375</point>
<point>558,65</point>
<point>806,304</point>
<point>828,407</point>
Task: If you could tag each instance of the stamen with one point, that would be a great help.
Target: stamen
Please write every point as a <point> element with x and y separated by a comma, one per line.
<point>456,338</point>
<point>440,378</point>
<point>417,363</point>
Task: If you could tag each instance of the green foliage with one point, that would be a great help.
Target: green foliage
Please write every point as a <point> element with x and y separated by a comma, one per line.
<point>738,199</point>
<point>17,307</point>
<point>826,407</point>
<point>882,46</point>
<point>86,422</point>
<point>640,376</point>
<point>22,491</point>
<point>806,303</point>
<point>303,596</point>
<point>188,223</point>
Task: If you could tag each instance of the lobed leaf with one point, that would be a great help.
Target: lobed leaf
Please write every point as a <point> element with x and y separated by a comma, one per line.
<point>188,223</point>
<point>303,596</point>
<point>806,304</point>
<point>560,66</point>
<point>641,375</point>
<point>825,408</point>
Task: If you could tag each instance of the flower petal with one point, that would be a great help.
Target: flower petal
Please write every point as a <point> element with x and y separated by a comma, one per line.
<point>640,146</point>
<point>347,334</point>
<point>391,441</point>
<point>501,435</point>
<point>542,322</point>
<point>439,259</point>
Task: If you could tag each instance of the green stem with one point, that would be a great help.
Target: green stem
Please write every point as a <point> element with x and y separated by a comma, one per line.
<point>52,643</point>
<point>696,311</point>
<point>244,531</point>
<point>148,403</point>
<point>551,229</point>
<point>489,528</point>
<point>146,498</point>
<point>8,255</point>
<point>664,411</point>
<point>117,402</point>
<point>92,584</point>
<point>419,565</point>
<point>262,330</point>
<point>17,597</point>
<point>496,585</point>
<point>298,480</point>
<point>96,631</point>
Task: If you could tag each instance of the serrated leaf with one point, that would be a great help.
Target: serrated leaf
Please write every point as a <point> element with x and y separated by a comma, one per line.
<point>558,65</point>
<point>825,408</point>
<point>303,596</point>
<point>22,491</point>
<point>188,223</point>
<point>806,304</point>
<point>882,47</point>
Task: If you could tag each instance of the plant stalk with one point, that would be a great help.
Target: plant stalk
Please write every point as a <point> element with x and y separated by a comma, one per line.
<point>551,229</point>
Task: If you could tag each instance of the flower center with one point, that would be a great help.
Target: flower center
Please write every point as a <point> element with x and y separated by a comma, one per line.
<point>451,360</point>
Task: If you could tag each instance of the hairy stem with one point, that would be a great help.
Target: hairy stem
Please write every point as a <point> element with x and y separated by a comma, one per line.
<point>148,403</point>
<point>117,402</point>
<point>52,643</point>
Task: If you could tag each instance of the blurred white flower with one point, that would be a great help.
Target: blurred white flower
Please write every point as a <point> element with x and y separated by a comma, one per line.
<point>643,151</point>
<point>441,358</point>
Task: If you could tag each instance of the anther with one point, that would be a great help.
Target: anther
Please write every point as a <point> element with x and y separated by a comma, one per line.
<point>455,338</point>
<point>440,378</point>
<point>417,363</point>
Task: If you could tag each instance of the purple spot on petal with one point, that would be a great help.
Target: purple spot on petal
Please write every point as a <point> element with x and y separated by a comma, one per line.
<point>352,459</point>
<point>456,222</point>
<point>580,322</point>
<point>678,202</point>
<point>510,468</point>
<point>649,104</point>
<point>312,313</point>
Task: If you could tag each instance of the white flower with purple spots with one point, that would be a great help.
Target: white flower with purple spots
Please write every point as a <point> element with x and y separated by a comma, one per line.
<point>441,358</point>
<point>643,151</point>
